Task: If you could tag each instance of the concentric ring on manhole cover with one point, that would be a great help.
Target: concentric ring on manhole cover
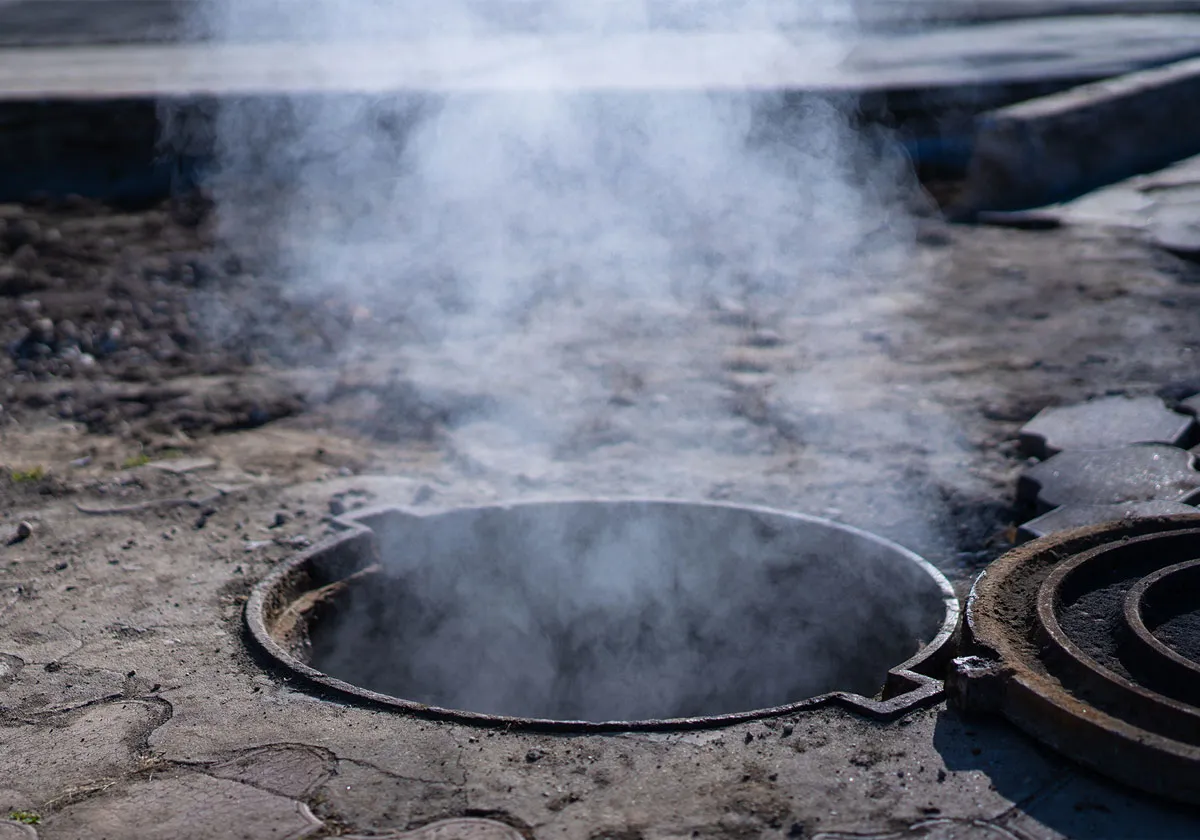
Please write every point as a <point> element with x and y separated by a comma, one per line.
<point>604,614</point>
<point>1090,641</point>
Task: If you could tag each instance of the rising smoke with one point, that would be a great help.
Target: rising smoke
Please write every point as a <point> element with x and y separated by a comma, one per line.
<point>523,233</point>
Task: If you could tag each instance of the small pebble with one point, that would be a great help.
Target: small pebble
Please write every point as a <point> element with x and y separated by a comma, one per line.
<point>24,531</point>
<point>25,257</point>
<point>43,328</point>
<point>337,507</point>
<point>297,542</point>
<point>280,520</point>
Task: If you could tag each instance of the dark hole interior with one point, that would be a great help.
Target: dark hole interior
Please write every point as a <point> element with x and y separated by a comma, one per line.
<point>603,611</point>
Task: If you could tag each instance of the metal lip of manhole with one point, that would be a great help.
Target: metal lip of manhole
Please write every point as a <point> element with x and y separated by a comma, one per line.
<point>1056,639</point>
<point>910,685</point>
<point>1148,597</point>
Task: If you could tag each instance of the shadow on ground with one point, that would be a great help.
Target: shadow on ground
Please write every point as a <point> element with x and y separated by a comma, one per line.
<point>1077,803</point>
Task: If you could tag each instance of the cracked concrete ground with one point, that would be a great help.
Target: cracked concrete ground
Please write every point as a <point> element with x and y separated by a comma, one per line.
<point>133,707</point>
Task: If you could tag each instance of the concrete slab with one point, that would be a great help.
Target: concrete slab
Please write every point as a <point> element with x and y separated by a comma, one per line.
<point>1136,202</point>
<point>1078,516</point>
<point>1105,423</point>
<point>1176,228</point>
<point>182,806</point>
<point>1056,147</point>
<point>1109,476</point>
<point>90,22</point>
<point>1163,207</point>
<point>1064,49</point>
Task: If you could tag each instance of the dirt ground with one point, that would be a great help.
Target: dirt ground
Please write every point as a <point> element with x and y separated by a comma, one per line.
<point>132,336</point>
<point>174,425</point>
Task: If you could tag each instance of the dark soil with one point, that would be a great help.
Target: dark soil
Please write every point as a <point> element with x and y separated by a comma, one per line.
<point>139,323</point>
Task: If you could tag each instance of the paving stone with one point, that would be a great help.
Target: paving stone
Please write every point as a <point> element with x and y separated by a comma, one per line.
<point>457,829</point>
<point>1177,229</point>
<point>1078,516</point>
<point>103,739</point>
<point>1191,404</point>
<point>293,770</point>
<point>379,801</point>
<point>181,807</point>
<point>1137,202</point>
<point>1105,423</point>
<point>1110,476</point>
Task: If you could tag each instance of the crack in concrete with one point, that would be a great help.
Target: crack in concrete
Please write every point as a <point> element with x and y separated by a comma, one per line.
<point>400,776</point>
<point>921,828</point>
<point>327,758</point>
<point>1021,806</point>
<point>7,716</point>
<point>136,741</point>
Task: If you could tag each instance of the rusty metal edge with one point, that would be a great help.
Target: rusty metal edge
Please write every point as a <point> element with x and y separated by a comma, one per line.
<point>1038,704</point>
<point>911,690</point>
<point>1134,602</point>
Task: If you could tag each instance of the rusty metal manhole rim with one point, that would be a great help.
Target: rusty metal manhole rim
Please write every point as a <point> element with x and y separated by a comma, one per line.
<point>909,688</point>
<point>1013,682</point>
<point>1135,605</point>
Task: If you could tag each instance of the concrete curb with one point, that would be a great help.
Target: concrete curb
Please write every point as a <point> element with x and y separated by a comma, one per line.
<point>84,120</point>
<point>1060,146</point>
<point>77,23</point>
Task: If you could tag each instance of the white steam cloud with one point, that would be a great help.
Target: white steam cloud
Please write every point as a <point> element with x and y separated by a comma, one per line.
<point>520,233</point>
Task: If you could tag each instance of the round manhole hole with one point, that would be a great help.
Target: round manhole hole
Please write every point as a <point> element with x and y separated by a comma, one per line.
<point>609,614</point>
<point>1090,641</point>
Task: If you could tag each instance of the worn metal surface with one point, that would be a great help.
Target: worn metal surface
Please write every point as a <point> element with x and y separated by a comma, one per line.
<point>280,608</point>
<point>1084,640</point>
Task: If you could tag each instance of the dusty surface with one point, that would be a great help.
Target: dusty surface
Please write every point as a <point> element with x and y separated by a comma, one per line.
<point>133,708</point>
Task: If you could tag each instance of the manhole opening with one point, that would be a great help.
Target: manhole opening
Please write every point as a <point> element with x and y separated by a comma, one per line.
<point>609,611</point>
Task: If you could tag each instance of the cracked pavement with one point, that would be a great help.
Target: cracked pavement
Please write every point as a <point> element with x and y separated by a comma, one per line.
<point>137,711</point>
<point>132,707</point>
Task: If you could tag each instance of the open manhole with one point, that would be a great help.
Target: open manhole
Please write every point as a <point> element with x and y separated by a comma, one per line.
<point>609,614</point>
<point>1090,641</point>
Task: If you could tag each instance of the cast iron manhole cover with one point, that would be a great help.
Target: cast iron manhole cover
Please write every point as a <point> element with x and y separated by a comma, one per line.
<point>609,615</point>
<point>1090,641</point>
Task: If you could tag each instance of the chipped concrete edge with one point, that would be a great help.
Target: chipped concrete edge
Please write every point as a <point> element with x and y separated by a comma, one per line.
<point>1057,147</point>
